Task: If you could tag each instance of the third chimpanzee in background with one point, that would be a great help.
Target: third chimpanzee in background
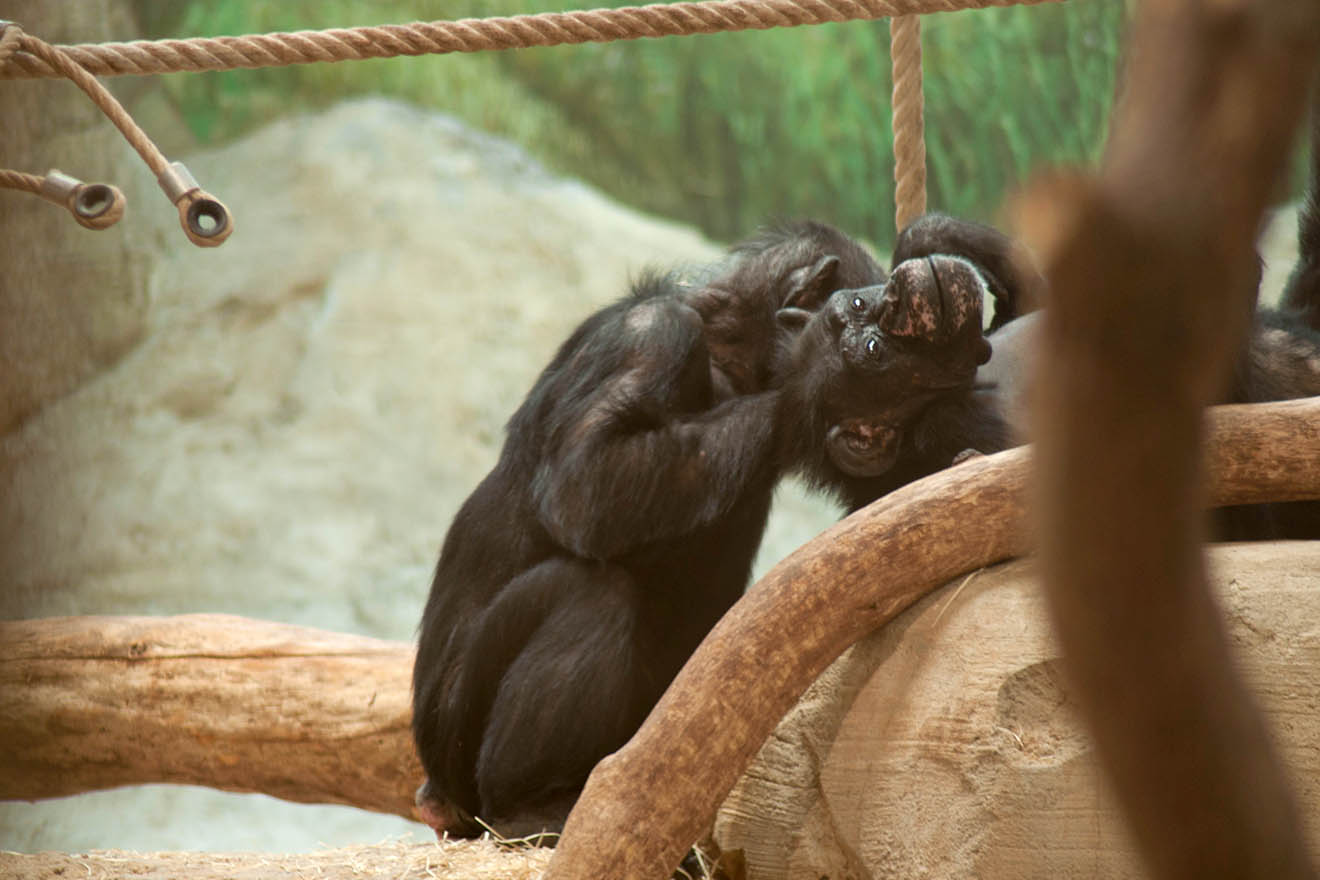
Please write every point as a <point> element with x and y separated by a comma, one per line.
<point>626,507</point>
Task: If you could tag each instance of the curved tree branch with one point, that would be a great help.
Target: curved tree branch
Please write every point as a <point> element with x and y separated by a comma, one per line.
<point>644,805</point>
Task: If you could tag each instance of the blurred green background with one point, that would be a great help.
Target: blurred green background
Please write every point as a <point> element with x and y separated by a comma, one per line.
<point>720,131</point>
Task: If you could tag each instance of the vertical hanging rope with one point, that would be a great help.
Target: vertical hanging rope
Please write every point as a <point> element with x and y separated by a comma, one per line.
<point>909,120</point>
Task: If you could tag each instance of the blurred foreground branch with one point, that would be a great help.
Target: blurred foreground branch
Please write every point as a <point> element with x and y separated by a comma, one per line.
<point>1152,274</point>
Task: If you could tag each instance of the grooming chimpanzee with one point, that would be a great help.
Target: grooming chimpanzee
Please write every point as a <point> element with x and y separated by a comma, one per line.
<point>622,517</point>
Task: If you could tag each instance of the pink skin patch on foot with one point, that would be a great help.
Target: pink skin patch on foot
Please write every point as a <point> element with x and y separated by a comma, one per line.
<point>441,817</point>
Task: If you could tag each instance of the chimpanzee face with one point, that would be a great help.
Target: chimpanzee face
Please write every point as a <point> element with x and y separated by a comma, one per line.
<point>876,356</point>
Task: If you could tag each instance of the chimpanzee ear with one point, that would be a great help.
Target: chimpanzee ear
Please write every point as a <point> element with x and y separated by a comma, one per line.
<point>792,319</point>
<point>809,286</point>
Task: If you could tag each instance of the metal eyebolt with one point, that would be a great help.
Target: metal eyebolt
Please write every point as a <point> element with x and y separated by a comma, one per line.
<point>98,205</point>
<point>93,205</point>
<point>204,218</point>
<point>207,219</point>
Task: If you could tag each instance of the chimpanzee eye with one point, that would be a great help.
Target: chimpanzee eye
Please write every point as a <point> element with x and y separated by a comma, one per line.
<point>873,346</point>
<point>858,304</point>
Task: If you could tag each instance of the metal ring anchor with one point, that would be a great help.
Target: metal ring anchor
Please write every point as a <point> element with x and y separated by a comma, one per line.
<point>205,219</point>
<point>93,205</point>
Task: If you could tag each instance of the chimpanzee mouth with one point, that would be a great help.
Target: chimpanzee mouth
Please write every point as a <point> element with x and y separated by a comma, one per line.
<point>861,435</point>
<point>862,448</point>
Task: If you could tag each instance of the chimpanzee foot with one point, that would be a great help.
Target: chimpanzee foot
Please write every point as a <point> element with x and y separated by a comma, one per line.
<point>967,455</point>
<point>443,817</point>
<point>540,824</point>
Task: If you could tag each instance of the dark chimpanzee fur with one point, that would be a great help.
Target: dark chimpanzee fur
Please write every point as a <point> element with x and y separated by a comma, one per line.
<point>619,523</point>
<point>627,504</point>
<point>624,512</point>
<point>1282,361</point>
<point>884,380</point>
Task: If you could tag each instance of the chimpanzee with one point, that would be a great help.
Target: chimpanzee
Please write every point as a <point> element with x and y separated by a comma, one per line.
<point>880,439</point>
<point>1281,361</point>
<point>622,517</point>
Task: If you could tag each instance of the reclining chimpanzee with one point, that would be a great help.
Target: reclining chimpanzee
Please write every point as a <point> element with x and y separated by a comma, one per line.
<point>1282,361</point>
<point>622,517</point>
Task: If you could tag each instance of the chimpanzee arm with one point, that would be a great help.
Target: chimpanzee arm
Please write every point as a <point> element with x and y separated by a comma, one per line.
<point>636,462</point>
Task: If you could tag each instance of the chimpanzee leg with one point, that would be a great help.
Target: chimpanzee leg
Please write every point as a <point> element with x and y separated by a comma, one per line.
<point>577,691</point>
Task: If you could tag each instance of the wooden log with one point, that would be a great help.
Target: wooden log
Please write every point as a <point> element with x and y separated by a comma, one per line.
<point>646,803</point>
<point>443,860</point>
<point>310,716</point>
<point>948,744</point>
<point>88,703</point>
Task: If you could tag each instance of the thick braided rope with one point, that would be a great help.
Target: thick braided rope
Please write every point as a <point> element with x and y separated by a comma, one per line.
<point>11,39</point>
<point>20,181</point>
<point>61,63</point>
<point>909,121</point>
<point>473,35</point>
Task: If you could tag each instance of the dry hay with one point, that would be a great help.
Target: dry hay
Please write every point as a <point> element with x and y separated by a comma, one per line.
<point>484,859</point>
<point>396,860</point>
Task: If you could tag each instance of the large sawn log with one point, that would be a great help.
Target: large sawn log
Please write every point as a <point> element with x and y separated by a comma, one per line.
<point>89,703</point>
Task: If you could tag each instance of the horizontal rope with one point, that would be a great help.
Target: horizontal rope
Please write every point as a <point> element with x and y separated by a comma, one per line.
<point>142,57</point>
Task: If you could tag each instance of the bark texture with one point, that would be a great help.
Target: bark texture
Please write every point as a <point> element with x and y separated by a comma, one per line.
<point>948,745</point>
<point>647,802</point>
<point>89,703</point>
